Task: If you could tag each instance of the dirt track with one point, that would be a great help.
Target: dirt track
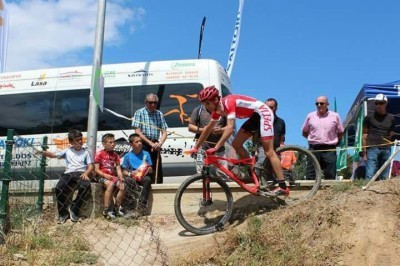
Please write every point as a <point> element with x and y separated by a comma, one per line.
<point>368,227</point>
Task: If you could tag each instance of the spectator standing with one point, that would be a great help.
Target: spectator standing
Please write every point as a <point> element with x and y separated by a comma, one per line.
<point>108,168</point>
<point>279,123</point>
<point>200,118</point>
<point>378,129</point>
<point>132,168</point>
<point>323,130</point>
<point>149,123</point>
<point>79,167</point>
<point>279,135</point>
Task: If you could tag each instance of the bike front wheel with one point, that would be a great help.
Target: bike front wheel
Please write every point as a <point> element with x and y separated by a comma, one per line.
<point>304,175</point>
<point>203,205</point>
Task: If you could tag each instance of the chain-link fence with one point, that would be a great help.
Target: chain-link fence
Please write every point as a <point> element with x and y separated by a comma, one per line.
<point>28,210</point>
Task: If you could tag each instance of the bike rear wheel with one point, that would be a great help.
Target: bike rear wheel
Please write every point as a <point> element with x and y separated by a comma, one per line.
<point>198,215</point>
<point>304,179</point>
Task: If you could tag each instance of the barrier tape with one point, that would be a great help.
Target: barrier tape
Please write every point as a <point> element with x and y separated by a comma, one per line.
<point>185,136</point>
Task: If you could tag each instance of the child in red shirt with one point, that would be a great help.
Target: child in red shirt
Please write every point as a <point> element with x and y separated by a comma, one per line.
<point>108,168</point>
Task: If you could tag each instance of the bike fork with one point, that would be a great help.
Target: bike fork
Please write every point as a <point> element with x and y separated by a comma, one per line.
<point>207,199</point>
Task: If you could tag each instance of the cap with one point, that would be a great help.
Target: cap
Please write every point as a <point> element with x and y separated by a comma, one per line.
<point>379,97</point>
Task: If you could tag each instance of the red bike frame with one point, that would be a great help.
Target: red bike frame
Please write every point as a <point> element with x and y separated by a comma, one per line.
<point>214,160</point>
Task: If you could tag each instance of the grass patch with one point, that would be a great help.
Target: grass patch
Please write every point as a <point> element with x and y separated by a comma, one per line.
<point>74,256</point>
<point>42,243</point>
<point>341,187</point>
<point>20,214</point>
<point>128,222</point>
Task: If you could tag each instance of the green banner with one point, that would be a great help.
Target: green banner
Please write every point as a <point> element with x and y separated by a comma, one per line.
<point>341,161</point>
<point>358,146</point>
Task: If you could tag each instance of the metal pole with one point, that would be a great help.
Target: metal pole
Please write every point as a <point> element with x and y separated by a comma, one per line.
<point>39,204</point>
<point>97,60</point>
<point>6,179</point>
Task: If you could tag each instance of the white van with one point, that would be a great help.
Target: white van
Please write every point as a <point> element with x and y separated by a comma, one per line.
<point>50,102</point>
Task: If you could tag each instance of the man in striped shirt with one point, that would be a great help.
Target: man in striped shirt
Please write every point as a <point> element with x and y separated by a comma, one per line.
<point>149,123</point>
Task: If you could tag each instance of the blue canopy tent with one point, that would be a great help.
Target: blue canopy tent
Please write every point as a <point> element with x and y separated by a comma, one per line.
<point>361,107</point>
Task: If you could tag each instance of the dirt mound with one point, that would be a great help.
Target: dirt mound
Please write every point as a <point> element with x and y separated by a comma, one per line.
<point>342,225</point>
<point>370,226</point>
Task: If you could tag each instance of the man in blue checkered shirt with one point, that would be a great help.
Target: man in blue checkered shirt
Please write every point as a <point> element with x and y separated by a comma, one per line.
<point>149,122</point>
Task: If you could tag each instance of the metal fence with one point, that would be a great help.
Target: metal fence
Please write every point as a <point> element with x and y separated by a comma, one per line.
<point>28,211</point>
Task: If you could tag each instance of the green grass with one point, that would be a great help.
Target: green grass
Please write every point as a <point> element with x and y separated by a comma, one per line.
<point>340,187</point>
<point>42,243</point>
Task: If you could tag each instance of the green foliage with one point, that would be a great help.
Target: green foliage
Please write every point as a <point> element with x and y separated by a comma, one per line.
<point>41,246</point>
<point>22,213</point>
<point>75,256</point>
<point>340,187</point>
<point>42,241</point>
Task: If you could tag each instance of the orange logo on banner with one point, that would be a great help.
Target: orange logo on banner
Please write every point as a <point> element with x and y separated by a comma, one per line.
<point>183,116</point>
<point>62,144</point>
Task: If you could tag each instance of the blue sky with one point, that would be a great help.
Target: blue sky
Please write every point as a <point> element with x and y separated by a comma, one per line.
<point>291,50</point>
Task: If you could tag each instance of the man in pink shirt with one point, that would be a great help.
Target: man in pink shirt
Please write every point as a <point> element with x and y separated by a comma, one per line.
<point>260,117</point>
<point>323,130</point>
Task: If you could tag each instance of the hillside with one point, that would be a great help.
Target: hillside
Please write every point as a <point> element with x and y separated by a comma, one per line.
<point>343,225</point>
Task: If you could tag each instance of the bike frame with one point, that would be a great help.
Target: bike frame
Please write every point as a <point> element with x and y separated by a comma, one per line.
<point>214,160</point>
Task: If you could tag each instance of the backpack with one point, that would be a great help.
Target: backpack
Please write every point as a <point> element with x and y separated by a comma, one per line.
<point>198,120</point>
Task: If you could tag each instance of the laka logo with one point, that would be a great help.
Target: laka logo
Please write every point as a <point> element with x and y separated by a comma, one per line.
<point>40,81</point>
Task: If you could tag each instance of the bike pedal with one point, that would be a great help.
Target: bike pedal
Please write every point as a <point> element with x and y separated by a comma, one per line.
<point>266,193</point>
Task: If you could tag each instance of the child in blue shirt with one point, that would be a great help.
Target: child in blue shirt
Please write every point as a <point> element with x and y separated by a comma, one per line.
<point>132,166</point>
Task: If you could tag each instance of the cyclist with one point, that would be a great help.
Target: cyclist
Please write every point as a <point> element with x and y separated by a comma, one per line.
<point>260,118</point>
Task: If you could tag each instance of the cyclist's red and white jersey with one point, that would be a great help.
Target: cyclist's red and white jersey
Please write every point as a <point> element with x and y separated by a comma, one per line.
<point>237,106</point>
<point>240,106</point>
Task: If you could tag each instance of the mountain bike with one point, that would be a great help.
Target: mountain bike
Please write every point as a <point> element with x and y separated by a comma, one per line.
<point>204,203</point>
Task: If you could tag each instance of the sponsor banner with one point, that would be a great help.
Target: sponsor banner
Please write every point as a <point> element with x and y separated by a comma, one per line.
<point>358,145</point>
<point>341,161</point>
<point>10,77</point>
<point>235,40</point>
